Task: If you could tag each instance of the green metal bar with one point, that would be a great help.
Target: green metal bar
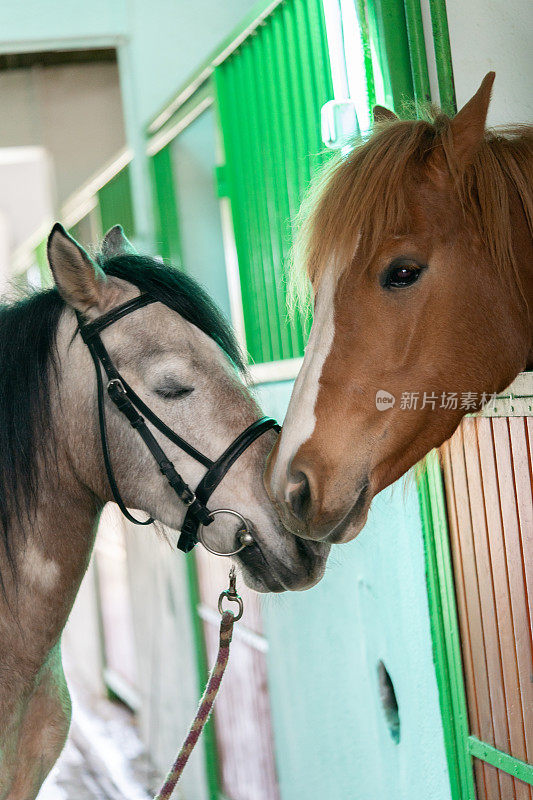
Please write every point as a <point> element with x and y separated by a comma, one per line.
<point>450,619</point>
<point>445,629</point>
<point>438,639</point>
<point>258,148</point>
<point>302,60</point>
<point>443,55</point>
<point>273,93</point>
<point>231,94</point>
<point>315,32</point>
<point>41,258</point>
<point>290,131</point>
<point>509,764</point>
<point>165,206</point>
<point>115,203</point>
<point>236,176</point>
<point>272,156</point>
<point>280,76</point>
<point>417,53</point>
<point>318,23</point>
<point>300,139</point>
<point>367,54</point>
<point>388,29</point>
<point>209,735</point>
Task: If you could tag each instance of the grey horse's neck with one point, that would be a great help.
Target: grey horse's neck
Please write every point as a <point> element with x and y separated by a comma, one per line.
<point>52,552</point>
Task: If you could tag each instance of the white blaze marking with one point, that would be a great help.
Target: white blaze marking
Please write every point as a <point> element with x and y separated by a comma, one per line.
<point>301,420</point>
<point>39,570</point>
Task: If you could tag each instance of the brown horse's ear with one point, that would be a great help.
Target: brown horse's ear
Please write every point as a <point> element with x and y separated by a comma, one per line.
<point>116,243</point>
<point>468,126</point>
<point>79,280</point>
<point>382,114</point>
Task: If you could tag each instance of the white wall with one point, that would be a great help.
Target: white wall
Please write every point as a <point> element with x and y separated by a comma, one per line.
<point>494,35</point>
<point>26,201</point>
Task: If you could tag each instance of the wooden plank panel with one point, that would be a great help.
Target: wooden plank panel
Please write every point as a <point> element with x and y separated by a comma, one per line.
<point>483,569</point>
<point>517,587</point>
<point>463,553</point>
<point>504,617</point>
<point>527,535</point>
<point>519,428</point>
<point>462,609</point>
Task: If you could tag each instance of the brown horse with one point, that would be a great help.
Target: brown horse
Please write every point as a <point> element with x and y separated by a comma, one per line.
<point>419,249</point>
<point>180,357</point>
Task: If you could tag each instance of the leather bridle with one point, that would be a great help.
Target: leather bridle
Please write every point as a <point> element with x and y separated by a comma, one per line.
<point>135,410</point>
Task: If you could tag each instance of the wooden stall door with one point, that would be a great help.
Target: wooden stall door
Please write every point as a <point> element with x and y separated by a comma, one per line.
<point>488,479</point>
<point>243,728</point>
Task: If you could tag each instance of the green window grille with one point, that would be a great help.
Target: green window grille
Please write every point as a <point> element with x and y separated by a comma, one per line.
<point>165,207</point>
<point>269,92</point>
<point>115,203</point>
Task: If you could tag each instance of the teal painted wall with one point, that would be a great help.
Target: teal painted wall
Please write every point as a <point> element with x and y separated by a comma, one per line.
<point>332,739</point>
<point>32,24</point>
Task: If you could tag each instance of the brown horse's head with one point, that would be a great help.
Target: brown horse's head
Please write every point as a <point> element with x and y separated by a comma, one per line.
<point>419,249</point>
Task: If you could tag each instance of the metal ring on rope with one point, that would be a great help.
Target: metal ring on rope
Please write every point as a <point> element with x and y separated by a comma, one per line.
<point>243,534</point>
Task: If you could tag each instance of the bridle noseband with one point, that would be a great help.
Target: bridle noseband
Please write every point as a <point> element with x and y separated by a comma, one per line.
<point>135,410</point>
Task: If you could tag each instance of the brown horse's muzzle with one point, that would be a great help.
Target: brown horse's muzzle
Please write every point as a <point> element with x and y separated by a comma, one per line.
<point>318,503</point>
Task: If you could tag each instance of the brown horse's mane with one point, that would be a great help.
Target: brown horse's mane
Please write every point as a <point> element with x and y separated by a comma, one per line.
<point>365,195</point>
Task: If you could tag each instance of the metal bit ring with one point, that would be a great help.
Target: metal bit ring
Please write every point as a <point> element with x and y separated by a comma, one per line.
<point>243,534</point>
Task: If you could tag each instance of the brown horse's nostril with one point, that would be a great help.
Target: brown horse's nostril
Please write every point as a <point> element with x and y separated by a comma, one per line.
<point>299,496</point>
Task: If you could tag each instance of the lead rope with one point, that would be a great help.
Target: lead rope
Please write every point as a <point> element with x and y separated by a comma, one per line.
<point>211,690</point>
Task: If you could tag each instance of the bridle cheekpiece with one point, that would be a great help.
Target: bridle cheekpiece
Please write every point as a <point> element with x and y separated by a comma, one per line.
<point>137,412</point>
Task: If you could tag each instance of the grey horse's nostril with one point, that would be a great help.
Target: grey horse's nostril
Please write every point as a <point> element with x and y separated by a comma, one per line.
<point>299,496</point>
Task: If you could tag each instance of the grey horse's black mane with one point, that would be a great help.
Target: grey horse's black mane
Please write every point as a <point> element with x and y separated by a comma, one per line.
<point>28,368</point>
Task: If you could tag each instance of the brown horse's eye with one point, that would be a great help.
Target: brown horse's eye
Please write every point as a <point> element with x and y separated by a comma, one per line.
<point>401,273</point>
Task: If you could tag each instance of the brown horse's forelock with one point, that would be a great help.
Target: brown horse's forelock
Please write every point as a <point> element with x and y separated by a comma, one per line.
<point>366,196</point>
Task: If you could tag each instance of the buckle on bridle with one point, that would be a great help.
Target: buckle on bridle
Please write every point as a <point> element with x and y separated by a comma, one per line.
<point>188,497</point>
<point>115,385</point>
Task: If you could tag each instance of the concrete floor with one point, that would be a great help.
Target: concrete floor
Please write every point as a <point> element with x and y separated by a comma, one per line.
<point>103,758</point>
<point>73,777</point>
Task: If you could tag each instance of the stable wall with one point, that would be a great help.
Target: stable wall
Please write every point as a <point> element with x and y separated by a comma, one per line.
<point>494,36</point>
<point>331,733</point>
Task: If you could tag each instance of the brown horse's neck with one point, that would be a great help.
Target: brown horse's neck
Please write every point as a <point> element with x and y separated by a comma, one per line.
<point>51,555</point>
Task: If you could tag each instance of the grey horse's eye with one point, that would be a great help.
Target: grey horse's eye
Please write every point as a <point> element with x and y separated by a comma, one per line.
<point>171,390</point>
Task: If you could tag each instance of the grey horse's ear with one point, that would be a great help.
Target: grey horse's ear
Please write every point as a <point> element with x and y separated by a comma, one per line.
<point>79,280</point>
<point>116,243</point>
<point>382,114</point>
